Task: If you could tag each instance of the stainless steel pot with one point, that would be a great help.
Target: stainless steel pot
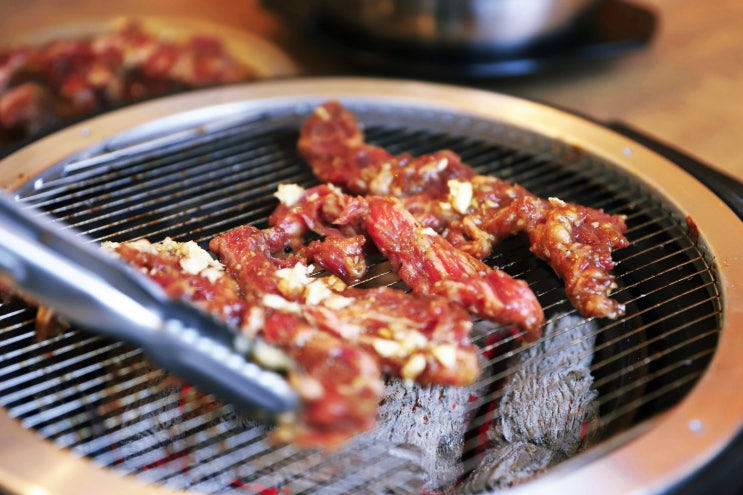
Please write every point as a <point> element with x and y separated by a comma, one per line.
<point>457,24</point>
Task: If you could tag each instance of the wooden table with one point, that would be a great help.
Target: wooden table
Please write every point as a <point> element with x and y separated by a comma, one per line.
<point>685,88</point>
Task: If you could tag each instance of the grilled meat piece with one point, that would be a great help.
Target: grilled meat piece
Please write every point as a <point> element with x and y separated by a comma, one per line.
<point>340,386</point>
<point>341,256</point>
<point>333,144</point>
<point>26,109</point>
<point>188,272</point>
<point>577,242</point>
<point>337,218</point>
<point>422,258</point>
<point>339,383</point>
<point>418,338</point>
<point>472,211</point>
<point>429,264</point>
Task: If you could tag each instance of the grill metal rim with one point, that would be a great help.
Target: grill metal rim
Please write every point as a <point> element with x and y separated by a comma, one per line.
<point>422,94</point>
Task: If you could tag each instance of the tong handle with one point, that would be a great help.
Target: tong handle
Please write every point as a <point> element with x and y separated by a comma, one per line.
<point>56,268</point>
<point>101,293</point>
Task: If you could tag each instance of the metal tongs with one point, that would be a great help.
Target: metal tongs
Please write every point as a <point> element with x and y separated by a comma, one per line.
<point>53,266</point>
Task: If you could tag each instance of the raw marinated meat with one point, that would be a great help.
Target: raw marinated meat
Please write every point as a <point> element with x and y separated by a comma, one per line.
<point>431,265</point>
<point>66,78</point>
<point>340,384</point>
<point>472,211</point>
<point>417,338</point>
<point>422,258</point>
<point>434,219</point>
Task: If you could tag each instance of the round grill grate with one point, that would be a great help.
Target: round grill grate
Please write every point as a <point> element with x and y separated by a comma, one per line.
<point>104,401</point>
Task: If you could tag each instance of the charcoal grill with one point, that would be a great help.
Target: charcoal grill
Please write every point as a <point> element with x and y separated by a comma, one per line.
<point>82,414</point>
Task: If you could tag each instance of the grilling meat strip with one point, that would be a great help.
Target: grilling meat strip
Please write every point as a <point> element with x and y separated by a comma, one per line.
<point>339,383</point>
<point>431,265</point>
<point>425,339</point>
<point>473,212</point>
<point>422,258</point>
<point>342,338</point>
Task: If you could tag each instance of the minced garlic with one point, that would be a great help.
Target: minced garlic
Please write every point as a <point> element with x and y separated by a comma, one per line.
<point>292,281</point>
<point>460,195</point>
<point>413,367</point>
<point>195,259</point>
<point>446,355</point>
<point>275,301</point>
<point>289,194</point>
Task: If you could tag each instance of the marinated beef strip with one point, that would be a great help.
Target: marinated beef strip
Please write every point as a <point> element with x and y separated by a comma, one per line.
<point>188,272</point>
<point>575,240</point>
<point>578,242</point>
<point>333,143</point>
<point>340,388</point>
<point>340,384</point>
<point>429,264</point>
<point>423,259</point>
<point>472,211</point>
<point>421,339</point>
<point>336,218</point>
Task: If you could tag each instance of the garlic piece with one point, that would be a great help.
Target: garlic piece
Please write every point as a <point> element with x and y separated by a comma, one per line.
<point>413,367</point>
<point>460,195</point>
<point>195,259</point>
<point>386,348</point>
<point>446,355</point>
<point>289,194</point>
